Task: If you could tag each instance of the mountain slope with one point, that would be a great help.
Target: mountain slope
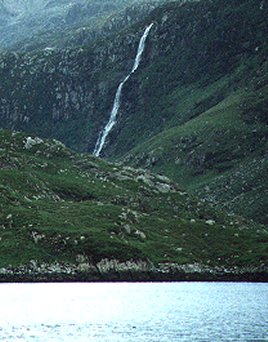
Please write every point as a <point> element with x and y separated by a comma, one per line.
<point>210,107</point>
<point>196,109</point>
<point>67,216</point>
<point>158,94</point>
<point>198,53</point>
<point>33,25</point>
<point>217,156</point>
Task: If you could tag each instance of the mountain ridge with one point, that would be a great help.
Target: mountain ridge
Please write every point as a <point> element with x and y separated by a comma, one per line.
<point>48,24</point>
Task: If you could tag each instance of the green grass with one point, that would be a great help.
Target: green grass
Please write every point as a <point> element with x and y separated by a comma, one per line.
<point>218,155</point>
<point>56,205</point>
<point>197,112</point>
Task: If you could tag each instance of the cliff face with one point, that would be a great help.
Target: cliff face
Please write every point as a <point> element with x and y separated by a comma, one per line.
<point>191,44</point>
<point>68,93</point>
<point>58,93</point>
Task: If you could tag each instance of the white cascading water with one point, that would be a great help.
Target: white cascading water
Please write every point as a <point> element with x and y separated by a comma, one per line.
<point>112,120</point>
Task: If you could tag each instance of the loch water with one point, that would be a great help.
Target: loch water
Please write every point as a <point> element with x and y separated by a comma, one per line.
<point>148,312</point>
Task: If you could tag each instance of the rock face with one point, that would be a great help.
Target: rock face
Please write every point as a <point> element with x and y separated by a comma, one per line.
<point>56,90</point>
<point>73,89</point>
<point>53,91</point>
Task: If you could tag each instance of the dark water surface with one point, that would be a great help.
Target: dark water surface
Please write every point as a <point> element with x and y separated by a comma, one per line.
<point>134,312</point>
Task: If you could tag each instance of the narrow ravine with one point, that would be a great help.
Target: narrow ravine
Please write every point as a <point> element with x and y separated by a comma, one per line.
<point>116,105</point>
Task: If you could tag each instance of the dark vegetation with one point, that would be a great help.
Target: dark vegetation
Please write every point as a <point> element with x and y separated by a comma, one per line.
<point>60,206</point>
<point>195,111</point>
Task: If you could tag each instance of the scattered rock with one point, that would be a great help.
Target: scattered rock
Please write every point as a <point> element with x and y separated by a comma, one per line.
<point>210,222</point>
<point>30,142</point>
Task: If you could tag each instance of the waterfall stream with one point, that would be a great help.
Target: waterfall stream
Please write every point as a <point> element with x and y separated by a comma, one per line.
<point>116,105</point>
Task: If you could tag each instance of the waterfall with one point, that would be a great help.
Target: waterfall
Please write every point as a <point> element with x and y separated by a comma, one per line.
<point>116,105</point>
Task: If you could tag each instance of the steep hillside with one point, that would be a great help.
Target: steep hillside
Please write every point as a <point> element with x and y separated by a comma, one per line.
<point>212,111</point>
<point>63,94</point>
<point>158,94</point>
<point>72,216</point>
<point>196,108</point>
<point>33,25</point>
<point>197,55</point>
<point>221,155</point>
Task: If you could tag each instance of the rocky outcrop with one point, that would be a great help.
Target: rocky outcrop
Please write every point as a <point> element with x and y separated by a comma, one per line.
<point>113,270</point>
<point>52,89</point>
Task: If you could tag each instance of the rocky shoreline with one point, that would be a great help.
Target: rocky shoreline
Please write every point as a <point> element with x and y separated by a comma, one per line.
<point>130,271</point>
<point>138,277</point>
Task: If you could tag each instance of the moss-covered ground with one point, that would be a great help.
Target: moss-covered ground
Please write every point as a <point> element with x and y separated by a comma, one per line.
<point>57,205</point>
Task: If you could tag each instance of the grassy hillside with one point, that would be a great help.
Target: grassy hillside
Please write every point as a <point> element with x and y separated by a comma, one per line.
<point>70,213</point>
<point>197,54</point>
<point>221,155</point>
<point>203,106</point>
<point>195,110</point>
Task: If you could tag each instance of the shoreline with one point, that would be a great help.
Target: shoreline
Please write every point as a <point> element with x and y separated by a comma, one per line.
<point>259,277</point>
<point>114,270</point>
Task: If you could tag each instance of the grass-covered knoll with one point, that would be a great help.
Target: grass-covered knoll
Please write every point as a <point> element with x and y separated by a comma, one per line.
<point>58,206</point>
